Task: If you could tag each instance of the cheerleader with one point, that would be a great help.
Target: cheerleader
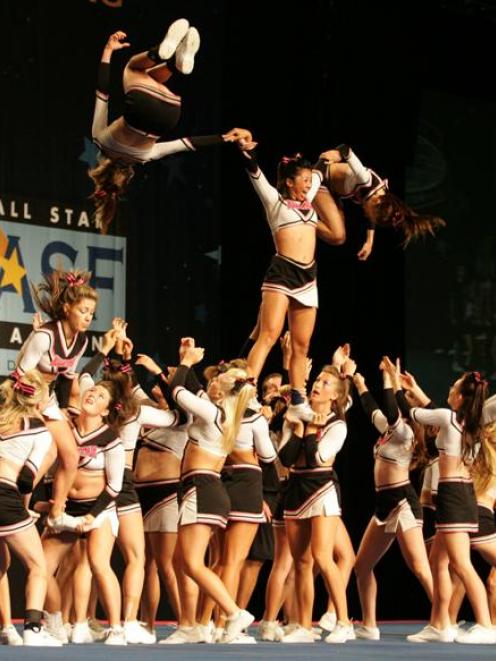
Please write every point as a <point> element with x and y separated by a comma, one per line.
<point>204,503</point>
<point>347,178</point>
<point>458,443</point>
<point>156,478</point>
<point>55,349</point>
<point>151,111</point>
<point>104,408</point>
<point>398,513</point>
<point>312,509</point>
<point>290,285</point>
<point>24,442</point>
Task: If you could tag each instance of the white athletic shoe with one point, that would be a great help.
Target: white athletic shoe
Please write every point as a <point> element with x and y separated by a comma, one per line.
<point>186,51</point>
<point>271,631</point>
<point>63,523</point>
<point>175,34</point>
<point>303,411</point>
<point>98,631</point>
<point>137,634</point>
<point>81,634</point>
<point>317,633</point>
<point>236,624</point>
<point>115,636</point>
<point>183,635</point>
<point>242,639</point>
<point>218,634</point>
<point>55,627</point>
<point>40,638</point>
<point>341,633</point>
<point>430,634</point>
<point>476,635</point>
<point>299,635</point>
<point>205,632</point>
<point>367,633</point>
<point>10,636</point>
<point>328,621</point>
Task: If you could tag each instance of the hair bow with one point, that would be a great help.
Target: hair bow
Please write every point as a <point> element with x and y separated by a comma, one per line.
<point>287,159</point>
<point>21,386</point>
<point>72,281</point>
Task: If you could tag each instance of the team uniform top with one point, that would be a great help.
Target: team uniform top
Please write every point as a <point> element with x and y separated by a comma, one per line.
<point>360,182</point>
<point>318,448</point>
<point>102,450</point>
<point>167,439</point>
<point>46,349</point>
<point>254,435</point>
<point>28,446</point>
<point>283,212</point>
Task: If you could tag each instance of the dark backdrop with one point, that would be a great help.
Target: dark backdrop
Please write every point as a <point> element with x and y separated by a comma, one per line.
<point>310,76</point>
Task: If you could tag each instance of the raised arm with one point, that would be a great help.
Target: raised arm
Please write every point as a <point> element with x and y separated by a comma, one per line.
<point>369,405</point>
<point>100,116</point>
<point>261,437</point>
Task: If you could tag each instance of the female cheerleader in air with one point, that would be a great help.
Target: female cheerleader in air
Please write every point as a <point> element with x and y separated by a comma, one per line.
<point>55,349</point>
<point>290,285</point>
<point>347,178</point>
<point>151,112</point>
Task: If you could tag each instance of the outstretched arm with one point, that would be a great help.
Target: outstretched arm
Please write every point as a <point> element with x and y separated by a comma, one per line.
<point>116,41</point>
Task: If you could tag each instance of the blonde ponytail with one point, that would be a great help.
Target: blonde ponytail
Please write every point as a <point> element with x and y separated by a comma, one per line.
<point>238,391</point>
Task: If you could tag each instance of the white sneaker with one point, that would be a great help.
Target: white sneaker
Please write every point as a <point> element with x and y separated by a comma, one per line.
<point>40,638</point>
<point>186,51</point>
<point>430,634</point>
<point>205,632</point>
<point>81,634</point>
<point>299,635</point>
<point>63,523</point>
<point>98,631</point>
<point>115,636</point>
<point>137,634</point>
<point>341,633</point>
<point>476,635</point>
<point>183,635</point>
<point>55,627</point>
<point>271,631</point>
<point>302,411</point>
<point>317,633</point>
<point>10,636</point>
<point>218,634</point>
<point>236,624</point>
<point>367,633</point>
<point>242,639</point>
<point>328,621</point>
<point>175,34</point>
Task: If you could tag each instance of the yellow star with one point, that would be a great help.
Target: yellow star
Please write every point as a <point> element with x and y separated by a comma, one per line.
<point>13,272</point>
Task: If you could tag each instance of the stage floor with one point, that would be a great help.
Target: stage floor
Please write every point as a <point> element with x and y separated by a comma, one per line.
<point>391,646</point>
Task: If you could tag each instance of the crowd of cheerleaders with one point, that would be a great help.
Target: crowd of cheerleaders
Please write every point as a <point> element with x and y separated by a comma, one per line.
<point>201,483</point>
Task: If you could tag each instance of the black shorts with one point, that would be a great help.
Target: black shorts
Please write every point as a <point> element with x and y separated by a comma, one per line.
<point>293,279</point>
<point>243,484</point>
<point>262,548</point>
<point>14,517</point>
<point>311,493</point>
<point>158,500</point>
<point>456,507</point>
<point>429,525</point>
<point>127,501</point>
<point>487,527</point>
<point>203,499</point>
<point>387,500</point>
<point>150,114</point>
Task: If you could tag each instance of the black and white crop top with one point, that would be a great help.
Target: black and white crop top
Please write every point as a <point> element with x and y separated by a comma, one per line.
<point>206,430</point>
<point>46,349</point>
<point>162,439</point>
<point>254,435</point>
<point>102,450</point>
<point>282,212</point>
<point>360,182</point>
<point>319,447</point>
<point>28,446</point>
<point>397,439</point>
<point>449,438</point>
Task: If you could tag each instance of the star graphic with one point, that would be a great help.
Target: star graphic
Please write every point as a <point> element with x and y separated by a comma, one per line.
<point>90,153</point>
<point>216,255</point>
<point>13,272</point>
